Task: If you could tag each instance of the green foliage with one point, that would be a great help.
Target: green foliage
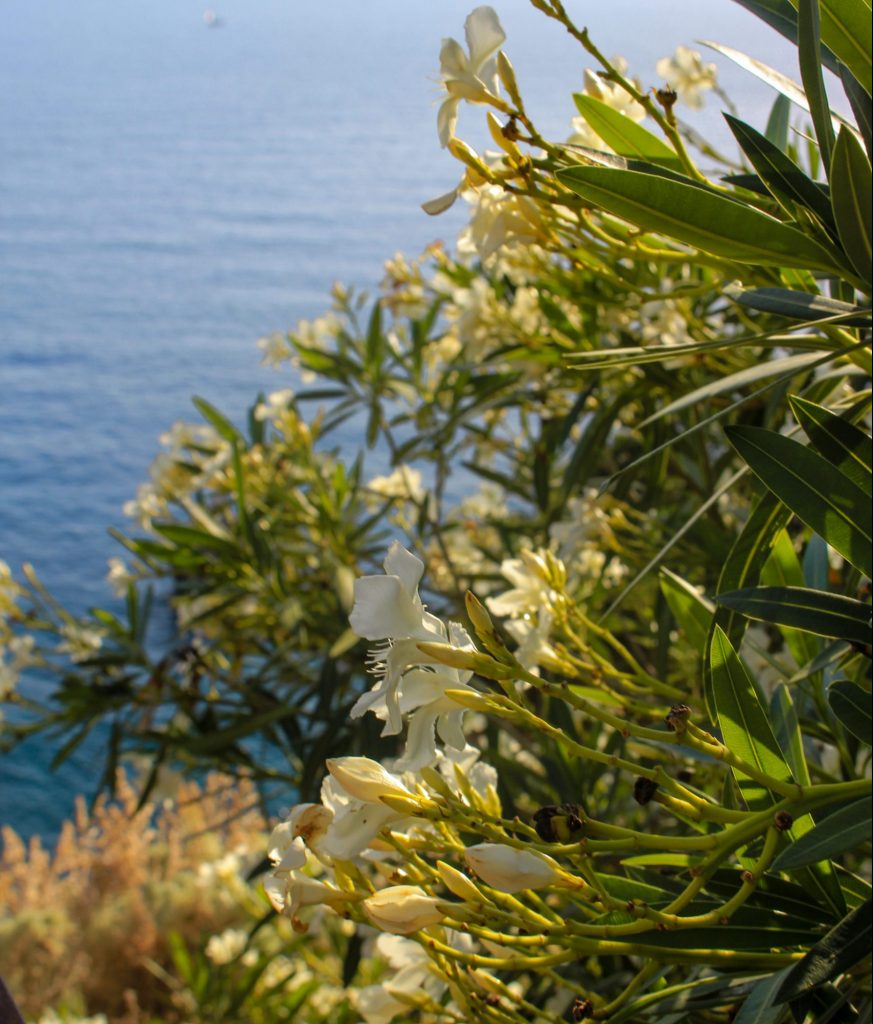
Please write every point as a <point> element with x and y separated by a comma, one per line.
<point>629,364</point>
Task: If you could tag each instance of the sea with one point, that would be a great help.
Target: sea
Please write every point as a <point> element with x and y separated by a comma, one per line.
<point>176,183</point>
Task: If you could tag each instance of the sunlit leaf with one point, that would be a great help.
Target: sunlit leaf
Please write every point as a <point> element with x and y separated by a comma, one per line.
<point>698,218</point>
<point>623,135</point>
<point>744,722</point>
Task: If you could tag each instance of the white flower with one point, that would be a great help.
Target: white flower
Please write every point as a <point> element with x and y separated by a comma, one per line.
<point>404,482</point>
<point>688,75</point>
<point>288,888</point>
<point>119,576</point>
<point>355,823</point>
<point>402,909</point>
<point>410,683</point>
<point>379,1004</point>
<point>80,641</point>
<point>227,946</point>
<point>275,349</point>
<point>509,869</point>
<point>531,590</point>
<point>472,78</point>
<point>275,405</point>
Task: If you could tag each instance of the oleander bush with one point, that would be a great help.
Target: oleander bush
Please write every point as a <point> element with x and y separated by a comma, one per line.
<point>567,659</point>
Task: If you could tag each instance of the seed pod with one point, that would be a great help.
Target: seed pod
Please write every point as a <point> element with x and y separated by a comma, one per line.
<point>783,821</point>
<point>677,718</point>
<point>582,1009</point>
<point>644,790</point>
<point>559,823</point>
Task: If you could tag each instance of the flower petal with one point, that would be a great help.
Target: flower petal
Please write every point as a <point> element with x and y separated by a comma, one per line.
<point>383,608</point>
<point>447,119</point>
<point>403,563</point>
<point>440,204</point>
<point>484,35</point>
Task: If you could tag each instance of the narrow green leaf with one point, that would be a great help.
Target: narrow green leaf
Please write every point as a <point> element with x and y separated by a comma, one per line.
<point>779,14</point>
<point>851,705</point>
<point>218,420</point>
<point>846,31</point>
<point>783,569</point>
<point>813,611</point>
<point>785,180</point>
<point>803,306</point>
<point>824,498</point>
<point>735,381</point>
<point>786,727</point>
<point>838,440</point>
<point>726,936</point>
<point>692,611</point>
<point>624,136</point>
<point>781,83</point>
<point>701,219</point>
<point>838,833</point>
<point>758,1005</point>
<point>744,722</point>
<point>851,198</point>
<point>779,122</point>
<point>809,54</point>
<point>862,107</point>
<point>843,946</point>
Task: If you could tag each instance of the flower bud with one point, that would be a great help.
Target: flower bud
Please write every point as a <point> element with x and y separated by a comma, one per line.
<point>471,661</point>
<point>407,805</point>
<point>402,909</point>
<point>365,779</point>
<point>458,884</point>
<point>461,151</point>
<point>470,699</point>
<point>507,77</point>
<point>511,870</point>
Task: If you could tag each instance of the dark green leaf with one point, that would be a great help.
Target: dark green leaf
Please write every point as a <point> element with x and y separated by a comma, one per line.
<point>838,833</point>
<point>787,731</point>
<point>696,217</point>
<point>852,202</point>
<point>758,1006</point>
<point>725,937</point>
<point>851,705</point>
<point>824,498</point>
<point>862,107</point>
<point>839,441</point>
<point>842,947</point>
<point>813,611</point>
<point>803,306</point>
<point>779,14</point>
<point>846,31</point>
<point>785,180</point>
<point>809,54</point>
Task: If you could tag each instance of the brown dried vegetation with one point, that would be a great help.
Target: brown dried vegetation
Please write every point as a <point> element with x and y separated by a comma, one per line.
<point>78,927</point>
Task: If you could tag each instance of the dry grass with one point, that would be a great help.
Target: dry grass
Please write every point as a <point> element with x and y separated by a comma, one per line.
<point>78,926</point>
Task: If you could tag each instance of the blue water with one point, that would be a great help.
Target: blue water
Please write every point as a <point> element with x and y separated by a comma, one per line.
<point>169,193</point>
